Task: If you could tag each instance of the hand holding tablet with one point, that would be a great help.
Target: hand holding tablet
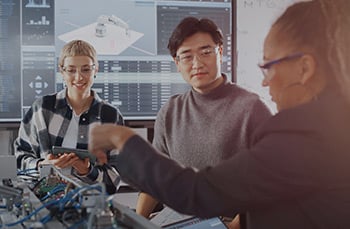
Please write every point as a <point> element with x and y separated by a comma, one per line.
<point>82,154</point>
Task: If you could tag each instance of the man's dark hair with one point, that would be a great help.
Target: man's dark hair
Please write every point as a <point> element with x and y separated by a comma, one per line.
<point>188,27</point>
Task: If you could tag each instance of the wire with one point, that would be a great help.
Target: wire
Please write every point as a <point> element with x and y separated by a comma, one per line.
<point>46,219</point>
<point>31,214</point>
<point>58,188</point>
<point>61,203</point>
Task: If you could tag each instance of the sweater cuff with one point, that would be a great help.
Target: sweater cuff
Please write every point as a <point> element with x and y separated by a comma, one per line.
<point>92,174</point>
<point>33,164</point>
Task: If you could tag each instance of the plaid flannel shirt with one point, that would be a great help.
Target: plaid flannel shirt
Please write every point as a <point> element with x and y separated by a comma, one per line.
<point>45,125</point>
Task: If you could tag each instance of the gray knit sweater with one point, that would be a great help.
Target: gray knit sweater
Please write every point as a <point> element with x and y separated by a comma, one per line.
<point>203,129</point>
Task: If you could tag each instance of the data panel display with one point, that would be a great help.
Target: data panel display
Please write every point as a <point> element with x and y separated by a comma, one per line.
<point>136,71</point>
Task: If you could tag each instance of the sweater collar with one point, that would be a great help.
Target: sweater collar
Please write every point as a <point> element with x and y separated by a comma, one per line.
<point>217,92</point>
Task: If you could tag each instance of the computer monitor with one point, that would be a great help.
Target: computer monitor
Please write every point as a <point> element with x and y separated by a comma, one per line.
<point>136,71</point>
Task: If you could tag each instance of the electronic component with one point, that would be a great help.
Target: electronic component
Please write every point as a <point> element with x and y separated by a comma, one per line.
<point>61,200</point>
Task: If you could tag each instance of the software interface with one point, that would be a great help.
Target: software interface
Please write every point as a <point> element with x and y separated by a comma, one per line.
<point>136,72</point>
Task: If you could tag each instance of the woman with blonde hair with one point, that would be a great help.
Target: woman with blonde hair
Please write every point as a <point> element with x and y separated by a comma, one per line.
<point>64,119</point>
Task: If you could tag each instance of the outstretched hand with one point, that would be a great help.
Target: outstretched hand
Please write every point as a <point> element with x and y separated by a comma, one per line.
<point>104,137</point>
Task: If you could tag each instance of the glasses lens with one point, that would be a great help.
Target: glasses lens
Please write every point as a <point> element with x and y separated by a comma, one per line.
<point>84,70</point>
<point>202,54</point>
<point>185,58</point>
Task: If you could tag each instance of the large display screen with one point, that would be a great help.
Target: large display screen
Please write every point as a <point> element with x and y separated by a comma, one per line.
<point>136,71</point>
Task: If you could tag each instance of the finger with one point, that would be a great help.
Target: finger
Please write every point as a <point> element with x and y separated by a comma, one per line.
<point>86,161</point>
<point>64,161</point>
<point>50,156</point>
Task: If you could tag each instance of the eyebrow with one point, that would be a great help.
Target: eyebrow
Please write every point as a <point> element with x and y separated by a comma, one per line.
<point>74,66</point>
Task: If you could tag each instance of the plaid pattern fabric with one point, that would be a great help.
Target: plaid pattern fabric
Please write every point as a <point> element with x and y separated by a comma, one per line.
<point>45,125</point>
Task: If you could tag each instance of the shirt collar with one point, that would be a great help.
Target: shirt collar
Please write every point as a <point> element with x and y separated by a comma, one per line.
<point>61,99</point>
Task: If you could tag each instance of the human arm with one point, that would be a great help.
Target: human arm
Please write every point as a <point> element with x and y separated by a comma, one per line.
<point>124,139</point>
<point>259,176</point>
<point>145,204</point>
<point>26,156</point>
<point>292,169</point>
<point>117,136</point>
<point>32,143</point>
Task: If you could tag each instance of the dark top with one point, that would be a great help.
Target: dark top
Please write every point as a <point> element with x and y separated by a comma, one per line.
<point>296,175</point>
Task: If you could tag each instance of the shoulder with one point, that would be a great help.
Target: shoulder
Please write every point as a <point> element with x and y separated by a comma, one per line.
<point>107,107</point>
<point>171,107</point>
<point>178,99</point>
<point>103,105</point>
<point>45,102</point>
<point>245,96</point>
<point>244,101</point>
<point>242,92</point>
<point>110,113</point>
<point>174,102</point>
<point>236,90</point>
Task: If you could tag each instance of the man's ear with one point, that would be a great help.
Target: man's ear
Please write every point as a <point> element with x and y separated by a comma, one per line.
<point>307,68</point>
<point>177,64</point>
<point>221,51</point>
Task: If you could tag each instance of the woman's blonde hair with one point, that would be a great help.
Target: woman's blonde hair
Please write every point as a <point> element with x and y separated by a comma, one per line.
<point>77,48</point>
<point>323,27</point>
<point>337,14</point>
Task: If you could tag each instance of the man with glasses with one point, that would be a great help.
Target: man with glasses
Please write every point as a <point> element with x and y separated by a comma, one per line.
<point>215,118</point>
<point>64,119</point>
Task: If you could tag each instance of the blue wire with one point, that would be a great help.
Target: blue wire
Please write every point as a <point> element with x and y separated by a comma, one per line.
<point>69,197</point>
<point>56,189</point>
<point>31,214</point>
<point>46,219</point>
<point>61,203</point>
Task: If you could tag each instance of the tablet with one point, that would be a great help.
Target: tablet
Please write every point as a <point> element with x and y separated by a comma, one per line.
<point>81,153</point>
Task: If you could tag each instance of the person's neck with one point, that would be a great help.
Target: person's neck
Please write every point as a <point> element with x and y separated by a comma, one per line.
<point>79,103</point>
<point>212,86</point>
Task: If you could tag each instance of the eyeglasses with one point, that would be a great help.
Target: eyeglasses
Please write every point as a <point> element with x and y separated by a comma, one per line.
<point>266,67</point>
<point>202,54</point>
<point>85,70</point>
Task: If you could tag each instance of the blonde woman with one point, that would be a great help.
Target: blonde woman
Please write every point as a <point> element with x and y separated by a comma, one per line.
<point>64,119</point>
